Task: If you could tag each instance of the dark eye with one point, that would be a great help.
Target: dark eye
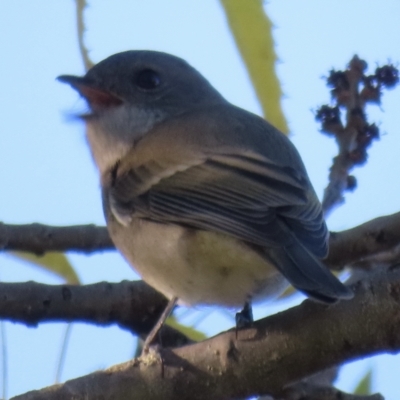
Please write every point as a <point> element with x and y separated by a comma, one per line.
<point>147,79</point>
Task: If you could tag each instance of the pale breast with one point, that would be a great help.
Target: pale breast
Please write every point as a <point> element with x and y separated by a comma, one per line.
<point>199,267</point>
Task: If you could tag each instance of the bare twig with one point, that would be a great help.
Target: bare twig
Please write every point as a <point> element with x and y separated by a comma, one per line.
<point>351,90</point>
<point>270,355</point>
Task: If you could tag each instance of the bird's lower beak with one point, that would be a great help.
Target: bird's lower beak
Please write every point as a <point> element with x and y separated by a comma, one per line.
<point>96,97</point>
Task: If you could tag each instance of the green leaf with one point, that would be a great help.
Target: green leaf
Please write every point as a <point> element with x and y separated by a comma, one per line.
<point>252,30</point>
<point>188,331</point>
<point>80,24</point>
<point>364,386</point>
<point>54,262</point>
<point>288,292</point>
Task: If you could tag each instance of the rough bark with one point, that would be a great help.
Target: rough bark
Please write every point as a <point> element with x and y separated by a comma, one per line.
<point>264,359</point>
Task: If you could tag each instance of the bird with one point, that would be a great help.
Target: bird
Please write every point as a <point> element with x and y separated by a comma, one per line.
<point>209,203</point>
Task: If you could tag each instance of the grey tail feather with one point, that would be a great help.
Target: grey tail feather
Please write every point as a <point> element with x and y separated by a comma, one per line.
<point>306,273</point>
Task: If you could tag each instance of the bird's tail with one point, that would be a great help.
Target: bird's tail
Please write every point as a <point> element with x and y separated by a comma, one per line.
<point>306,273</point>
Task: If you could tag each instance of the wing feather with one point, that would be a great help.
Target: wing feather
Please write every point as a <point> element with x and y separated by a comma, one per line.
<point>239,195</point>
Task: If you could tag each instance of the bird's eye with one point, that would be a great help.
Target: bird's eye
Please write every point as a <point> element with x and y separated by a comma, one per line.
<point>147,79</point>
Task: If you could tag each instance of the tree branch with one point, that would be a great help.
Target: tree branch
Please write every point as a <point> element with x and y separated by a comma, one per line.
<point>275,352</point>
<point>351,90</point>
<point>134,306</point>
<point>346,247</point>
<point>367,240</point>
<point>38,238</point>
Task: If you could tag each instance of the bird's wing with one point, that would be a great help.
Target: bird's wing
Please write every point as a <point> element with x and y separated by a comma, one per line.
<point>244,190</point>
<point>250,184</point>
<point>236,194</point>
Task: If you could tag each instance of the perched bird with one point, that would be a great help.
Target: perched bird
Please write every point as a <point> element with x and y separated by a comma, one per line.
<point>208,202</point>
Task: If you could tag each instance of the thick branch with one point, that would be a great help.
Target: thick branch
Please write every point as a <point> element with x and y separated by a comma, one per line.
<point>38,238</point>
<point>275,352</point>
<point>134,306</point>
<point>367,240</point>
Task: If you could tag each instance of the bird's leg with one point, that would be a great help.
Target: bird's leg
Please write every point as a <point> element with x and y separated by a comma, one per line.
<point>244,318</point>
<point>156,328</point>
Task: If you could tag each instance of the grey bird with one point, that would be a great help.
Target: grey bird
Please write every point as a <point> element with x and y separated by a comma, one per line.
<point>208,202</point>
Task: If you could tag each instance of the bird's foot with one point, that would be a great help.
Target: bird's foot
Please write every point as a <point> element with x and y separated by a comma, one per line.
<point>156,328</point>
<point>244,318</point>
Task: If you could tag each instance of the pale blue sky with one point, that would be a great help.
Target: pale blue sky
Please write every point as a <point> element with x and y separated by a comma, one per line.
<point>47,176</point>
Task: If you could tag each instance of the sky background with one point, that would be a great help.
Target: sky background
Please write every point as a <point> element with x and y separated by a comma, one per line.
<point>47,176</point>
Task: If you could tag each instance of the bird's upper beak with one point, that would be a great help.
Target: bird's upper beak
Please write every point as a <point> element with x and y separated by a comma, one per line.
<point>96,97</point>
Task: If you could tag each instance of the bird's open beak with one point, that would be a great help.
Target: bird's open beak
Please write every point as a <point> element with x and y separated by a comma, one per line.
<point>96,98</point>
